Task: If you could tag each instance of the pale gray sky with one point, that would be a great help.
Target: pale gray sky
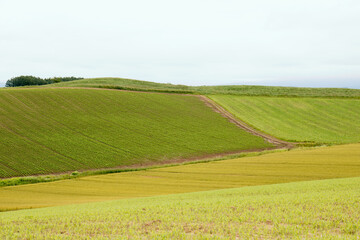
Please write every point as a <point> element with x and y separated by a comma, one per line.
<point>194,42</point>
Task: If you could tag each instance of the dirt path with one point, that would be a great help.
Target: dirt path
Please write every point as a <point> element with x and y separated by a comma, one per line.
<point>212,104</point>
<point>279,144</point>
<point>219,109</point>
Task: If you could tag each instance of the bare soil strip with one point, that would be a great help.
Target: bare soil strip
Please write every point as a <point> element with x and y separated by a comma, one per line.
<point>219,109</point>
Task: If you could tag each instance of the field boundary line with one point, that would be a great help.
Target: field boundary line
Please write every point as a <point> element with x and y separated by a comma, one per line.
<point>219,109</point>
<point>210,103</point>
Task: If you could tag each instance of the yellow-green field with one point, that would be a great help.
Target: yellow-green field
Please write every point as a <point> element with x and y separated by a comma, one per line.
<point>281,167</point>
<point>327,209</point>
<point>302,193</point>
<point>319,120</point>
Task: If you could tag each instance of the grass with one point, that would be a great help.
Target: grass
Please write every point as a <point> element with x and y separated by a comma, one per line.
<point>280,167</point>
<point>319,120</point>
<point>57,130</point>
<point>243,90</point>
<point>327,209</point>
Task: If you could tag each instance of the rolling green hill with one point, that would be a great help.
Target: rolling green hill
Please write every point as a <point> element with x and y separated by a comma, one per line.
<point>327,209</point>
<point>56,130</point>
<point>317,115</point>
<point>320,120</point>
<point>53,129</point>
<point>243,90</point>
<point>279,167</point>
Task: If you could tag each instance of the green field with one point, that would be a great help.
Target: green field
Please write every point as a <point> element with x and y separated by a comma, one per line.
<point>90,126</point>
<point>126,84</point>
<point>319,120</point>
<point>279,167</point>
<point>327,209</point>
<point>57,130</point>
<point>243,90</point>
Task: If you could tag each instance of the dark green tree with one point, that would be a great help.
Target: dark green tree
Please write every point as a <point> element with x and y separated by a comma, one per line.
<point>31,80</point>
<point>24,81</point>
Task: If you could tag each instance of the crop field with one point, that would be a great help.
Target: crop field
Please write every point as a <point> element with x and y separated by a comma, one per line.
<point>243,90</point>
<point>56,130</point>
<point>124,83</point>
<point>319,120</point>
<point>326,209</point>
<point>217,184</point>
<point>279,167</point>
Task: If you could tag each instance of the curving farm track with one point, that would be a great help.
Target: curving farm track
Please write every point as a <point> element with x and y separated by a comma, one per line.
<point>219,109</point>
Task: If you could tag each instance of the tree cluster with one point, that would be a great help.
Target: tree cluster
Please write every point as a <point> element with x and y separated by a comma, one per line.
<point>31,80</point>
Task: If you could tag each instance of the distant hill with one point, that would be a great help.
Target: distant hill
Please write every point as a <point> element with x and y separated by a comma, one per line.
<point>242,90</point>
<point>317,115</point>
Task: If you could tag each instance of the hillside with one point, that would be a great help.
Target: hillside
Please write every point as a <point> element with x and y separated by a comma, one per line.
<point>242,90</point>
<point>279,167</point>
<point>320,120</point>
<point>303,192</point>
<point>56,130</point>
<point>327,209</point>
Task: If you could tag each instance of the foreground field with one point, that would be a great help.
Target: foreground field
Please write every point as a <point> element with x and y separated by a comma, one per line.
<point>320,120</point>
<point>56,130</point>
<point>243,90</point>
<point>281,167</point>
<point>327,209</point>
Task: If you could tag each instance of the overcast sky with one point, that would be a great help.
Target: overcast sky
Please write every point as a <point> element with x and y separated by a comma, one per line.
<point>194,42</point>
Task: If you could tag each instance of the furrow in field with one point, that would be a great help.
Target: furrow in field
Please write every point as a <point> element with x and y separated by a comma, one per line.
<point>51,128</point>
<point>30,140</point>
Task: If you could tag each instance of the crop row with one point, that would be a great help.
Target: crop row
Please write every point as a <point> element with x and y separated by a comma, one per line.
<point>319,120</point>
<point>56,130</point>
